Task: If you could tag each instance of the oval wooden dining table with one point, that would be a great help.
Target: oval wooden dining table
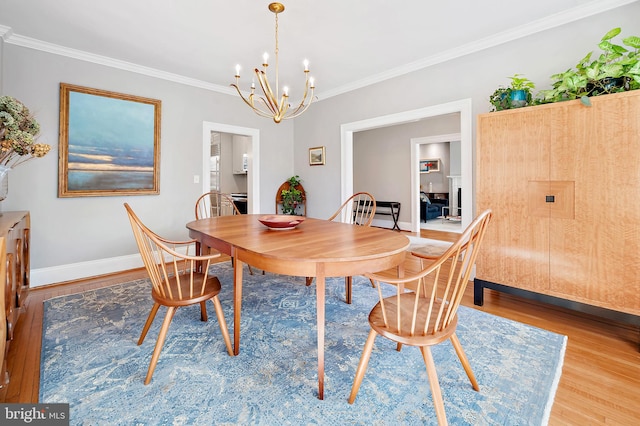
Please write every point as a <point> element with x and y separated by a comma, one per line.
<point>315,248</point>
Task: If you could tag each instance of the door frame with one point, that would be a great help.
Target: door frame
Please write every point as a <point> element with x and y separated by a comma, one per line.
<point>253,173</point>
<point>463,106</point>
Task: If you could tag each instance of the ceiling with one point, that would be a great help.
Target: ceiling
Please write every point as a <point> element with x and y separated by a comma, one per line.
<point>349,43</point>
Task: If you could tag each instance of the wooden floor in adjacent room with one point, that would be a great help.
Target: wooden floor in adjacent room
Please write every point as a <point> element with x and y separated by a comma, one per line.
<point>600,382</point>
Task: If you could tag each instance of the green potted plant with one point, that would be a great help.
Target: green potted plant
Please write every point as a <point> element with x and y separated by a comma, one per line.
<point>520,94</point>
<point>292,196</point>
<point>517,95</point>
<point>616,69</point>
<point>500,99</point>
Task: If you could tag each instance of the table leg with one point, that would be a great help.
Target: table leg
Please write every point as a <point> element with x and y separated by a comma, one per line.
<point>237,301</point>
<point>320,300</point>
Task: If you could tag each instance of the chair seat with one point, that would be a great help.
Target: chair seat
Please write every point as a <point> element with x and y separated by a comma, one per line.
<point>403,334</point>
<point>209,290</point>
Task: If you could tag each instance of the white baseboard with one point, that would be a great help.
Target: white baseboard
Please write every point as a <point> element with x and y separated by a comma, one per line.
<point>75,271</point>
<point>388,223</point>
<point>92,268</point>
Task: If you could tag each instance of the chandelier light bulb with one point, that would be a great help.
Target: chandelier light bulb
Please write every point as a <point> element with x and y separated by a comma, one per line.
<point>238,70</point>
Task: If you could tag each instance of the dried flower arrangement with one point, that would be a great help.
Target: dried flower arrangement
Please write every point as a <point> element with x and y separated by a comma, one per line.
<point>18,133</point>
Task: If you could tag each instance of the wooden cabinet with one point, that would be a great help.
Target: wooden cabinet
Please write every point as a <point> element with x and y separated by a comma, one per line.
<point>3,318</point>
<point>563,181</point>
<point>300,208</point>
<point>14,228</point>
<point>240,148</point>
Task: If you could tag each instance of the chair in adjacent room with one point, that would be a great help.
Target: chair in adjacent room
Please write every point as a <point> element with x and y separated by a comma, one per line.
<point>359,209</point>
<point>175,282</point>
<point>213,204</point>
<point>427,315</point>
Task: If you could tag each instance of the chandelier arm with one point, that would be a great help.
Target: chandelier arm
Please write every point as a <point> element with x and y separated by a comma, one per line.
<point>265,103</point>
<point>304,98</point>
<point>266,88</point>
<point>299,111</point>
<point>284,106</point>
<point>242,96</point>
<point>252,104</point>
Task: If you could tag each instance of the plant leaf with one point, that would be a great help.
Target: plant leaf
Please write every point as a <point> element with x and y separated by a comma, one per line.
<point>585,101</point>
<point>584,61</point>
<point>611,34</point>
<point>635,69</point>
<point>619,49</point>
<point>632,41</point>
<point>612,70</point>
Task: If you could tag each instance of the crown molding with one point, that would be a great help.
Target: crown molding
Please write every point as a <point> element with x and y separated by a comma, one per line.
<point>81,55</point>
<point>589,9</point>
<point>553,21</point>
<point>5,32</point>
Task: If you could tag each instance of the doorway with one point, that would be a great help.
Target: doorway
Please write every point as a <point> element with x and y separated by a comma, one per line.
<point>252,159</point>
<point>449,185</point>
<point>463,107</point>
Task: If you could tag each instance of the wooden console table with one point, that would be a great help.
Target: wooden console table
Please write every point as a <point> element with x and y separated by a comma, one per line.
<point>14,228</point>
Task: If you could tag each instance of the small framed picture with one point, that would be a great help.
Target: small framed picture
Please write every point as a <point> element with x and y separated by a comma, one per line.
<point>430,166</point>
<point>316,156</point>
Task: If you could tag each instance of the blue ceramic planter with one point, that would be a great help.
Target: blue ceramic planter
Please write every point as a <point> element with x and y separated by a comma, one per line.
<point>518,98</point>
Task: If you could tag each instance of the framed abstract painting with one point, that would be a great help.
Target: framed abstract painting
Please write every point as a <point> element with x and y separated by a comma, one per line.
<point>109,143</point>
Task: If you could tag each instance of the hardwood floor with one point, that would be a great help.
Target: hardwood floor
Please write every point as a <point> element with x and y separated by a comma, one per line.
<point>600,383</point>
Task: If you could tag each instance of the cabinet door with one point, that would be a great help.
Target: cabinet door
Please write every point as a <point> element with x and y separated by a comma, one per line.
<point>513,167</point>
<point>240,149</point>
<point>595,258</point>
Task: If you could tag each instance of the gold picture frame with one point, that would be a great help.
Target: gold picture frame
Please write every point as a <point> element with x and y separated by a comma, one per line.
<point>316,156</point>
<point>109,143</point>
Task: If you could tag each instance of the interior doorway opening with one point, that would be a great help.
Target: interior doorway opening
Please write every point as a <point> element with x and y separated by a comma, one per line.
<point>446,196</point>
<point>463,107</point>
<point>216,132</point>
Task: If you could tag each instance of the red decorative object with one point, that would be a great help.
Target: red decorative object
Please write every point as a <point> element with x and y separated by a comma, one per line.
<point>281,222</point>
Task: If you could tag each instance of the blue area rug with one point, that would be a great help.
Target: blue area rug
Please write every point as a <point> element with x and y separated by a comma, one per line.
<point>91,361</point>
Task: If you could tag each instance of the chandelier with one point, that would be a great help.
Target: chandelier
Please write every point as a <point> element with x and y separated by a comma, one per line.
<point>268,105</point>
